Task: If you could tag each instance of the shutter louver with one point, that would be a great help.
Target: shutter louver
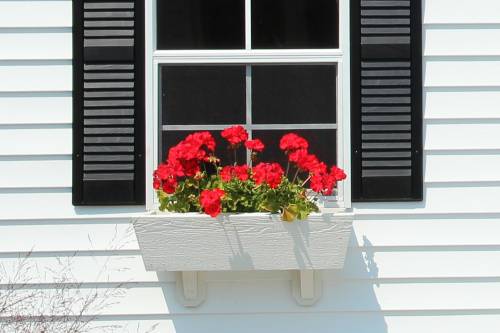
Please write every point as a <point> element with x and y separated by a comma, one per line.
<point>386,105</point>
<point>108,101</point>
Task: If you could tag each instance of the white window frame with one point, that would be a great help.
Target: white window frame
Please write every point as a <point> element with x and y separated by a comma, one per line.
<point>341,57</point>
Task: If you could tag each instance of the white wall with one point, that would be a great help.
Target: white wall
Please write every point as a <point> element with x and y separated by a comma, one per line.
<point>431,266</point>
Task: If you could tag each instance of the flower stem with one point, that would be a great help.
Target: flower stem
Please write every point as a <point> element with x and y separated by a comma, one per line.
<point>234,153</point>
<point>287,168</point>
<point>296,174</point>
<point>305,181</point>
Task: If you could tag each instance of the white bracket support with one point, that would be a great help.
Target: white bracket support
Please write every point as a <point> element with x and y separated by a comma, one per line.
<point>306,287</point>
<point>191,290</point>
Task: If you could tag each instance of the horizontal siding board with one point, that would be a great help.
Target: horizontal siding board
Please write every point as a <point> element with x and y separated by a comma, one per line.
<point>87,269</point>
<point>315,322</point>
<point>35,13</point>
<point>461,168</point>
<point>470,73</point>
<point>457,266</point>
<point>32,108</point>
<point>462,42</point>
<point>452,136</point>
<point>429,232</point>
<point>49,173</point>
<point>453,11</point>
<point>359,296</point>
<point>441,199</point>
<point>67,237</point>
<point>35,141</point>
<point>461,103</point>
<point>34,45</point>
<point>38,76</point>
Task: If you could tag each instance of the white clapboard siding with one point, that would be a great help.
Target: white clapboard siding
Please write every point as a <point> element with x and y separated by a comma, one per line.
<point>421,231</point>
<point>457,167</point>
<point>67,237</point>
<point>35,108</point>
<point>85,269</point>
<point>457,136</point>
<point>37,75</point>
<point>313,322</point>
<point>445,41</point>
<point>459,72</point>
<point>50,172</point>
<point>461,11</point>
<point>35,13</point>
<point>35,44</point>
<point>42,140</point>
<point>340,296</point>
<point>422,264</point>
<point>441,199</point>
<point>461,103</point>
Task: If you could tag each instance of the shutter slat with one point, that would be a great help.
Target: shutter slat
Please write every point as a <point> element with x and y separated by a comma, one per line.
<point>386,100</point>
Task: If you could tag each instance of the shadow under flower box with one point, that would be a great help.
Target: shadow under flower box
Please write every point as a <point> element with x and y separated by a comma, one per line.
<point>193,242</point>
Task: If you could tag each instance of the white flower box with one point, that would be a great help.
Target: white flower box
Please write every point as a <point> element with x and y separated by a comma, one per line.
<point>241,242</point>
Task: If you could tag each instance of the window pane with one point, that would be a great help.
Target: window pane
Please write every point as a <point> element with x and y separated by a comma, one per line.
<point>322,143</point>
<point>171,138</point>
<point>200,24</point>
<point>289,24</point>
<point>294,94</point>
<point>195,95</point>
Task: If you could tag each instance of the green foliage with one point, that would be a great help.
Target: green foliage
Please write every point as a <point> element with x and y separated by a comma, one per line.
<point>289,199</point>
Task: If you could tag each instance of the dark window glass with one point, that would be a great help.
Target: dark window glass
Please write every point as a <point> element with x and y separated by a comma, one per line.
<point>294,94</point>
<point>194,95</point>
<point>289,24</point>
<point>171,138</point>
<point>200,24</point>
<point>322,143</point>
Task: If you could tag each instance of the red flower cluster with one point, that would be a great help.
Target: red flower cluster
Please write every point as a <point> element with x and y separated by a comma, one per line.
<point>269,173</point>
<point>183,160</point>
<point>324,182</point>
<point>255,145</point>
<point>210,201</point>
<point>239,171</point>
<point>235,135</point>
<point>291,142</point>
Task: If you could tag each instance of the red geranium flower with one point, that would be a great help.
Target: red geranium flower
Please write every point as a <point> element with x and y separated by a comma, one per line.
<point>291,142</point>
<point>235,134</point>
<point>324,182</point>
<point>304,160</point>
<point>269,173</point>
<point>338,173</point>
<point>210,201</point>
<point>255,145</point>
<point>239,171</point>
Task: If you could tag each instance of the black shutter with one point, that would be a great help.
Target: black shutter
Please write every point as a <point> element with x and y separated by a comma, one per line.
<point>108,102</point>
<point>386,100</point>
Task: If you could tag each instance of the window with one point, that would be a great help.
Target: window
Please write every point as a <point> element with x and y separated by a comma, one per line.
<point>274,66</point>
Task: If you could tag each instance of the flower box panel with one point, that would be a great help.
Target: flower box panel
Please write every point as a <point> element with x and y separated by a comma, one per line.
<point>253,241</point>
